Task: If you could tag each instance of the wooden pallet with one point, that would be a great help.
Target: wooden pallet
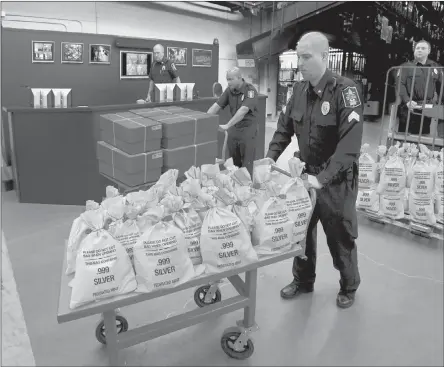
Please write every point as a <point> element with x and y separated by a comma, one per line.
<point>418,229</point>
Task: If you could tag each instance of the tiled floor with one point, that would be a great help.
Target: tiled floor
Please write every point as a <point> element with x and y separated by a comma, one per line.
<point>397,319</point>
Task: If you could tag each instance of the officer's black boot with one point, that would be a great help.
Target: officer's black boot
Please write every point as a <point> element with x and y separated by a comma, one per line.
<point>345,299</point>
<point>292,290</point>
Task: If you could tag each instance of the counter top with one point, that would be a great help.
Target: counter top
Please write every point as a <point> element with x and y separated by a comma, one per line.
<point>106,107</point>
<point>109,107</point>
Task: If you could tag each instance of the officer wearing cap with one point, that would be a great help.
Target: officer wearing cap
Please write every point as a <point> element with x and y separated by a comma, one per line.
<point>326,114</point>
<point>242,128</point>
<point>162,70</point>
<point>411,102</point>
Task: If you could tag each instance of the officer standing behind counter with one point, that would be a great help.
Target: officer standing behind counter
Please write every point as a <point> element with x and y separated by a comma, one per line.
<point>162,70</point>
<point>243,126</point>
<point>411,102</point>
<point>326,114</point>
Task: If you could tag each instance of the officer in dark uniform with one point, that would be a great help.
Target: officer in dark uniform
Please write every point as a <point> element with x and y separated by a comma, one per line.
<point>162,70</point>
<point>326,114</point>
<point>242,127</point>
<point>421,53</point>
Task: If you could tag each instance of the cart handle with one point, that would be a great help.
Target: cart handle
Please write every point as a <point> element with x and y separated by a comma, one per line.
<point>224,149</point>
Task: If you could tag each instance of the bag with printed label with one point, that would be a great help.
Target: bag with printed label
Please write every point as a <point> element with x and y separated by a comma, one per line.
<point>103,268</point>
<point>406,200</point>
<point>439,175</point>
<point>115,208</point>
<point>297,200</point>
<point>160,257</point>
<point>149,218</point>
<point>208,173</point>
<point>368,200</point>
<point>409,162</point>
<point>79,230</point>
<point>367,168</point>
<point>190,223</point>
<point>422,174</point>
<point>439,208</point>
<point>261,178</point>
<point>422,209</point>
<point>273,229</point>
<point>143,199</point>
<point>195,198</point>
<point>245,207</point>
<point>165,182</point>
<point>381,152</point>
<point>127,232</point>
<point>193,173</point>
<point>225,242</point>
<point>393,177</point>
<point>392,206</point>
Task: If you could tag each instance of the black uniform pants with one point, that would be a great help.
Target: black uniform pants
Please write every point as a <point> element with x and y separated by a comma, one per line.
<point>336,210</point>
<point>415,121</point>
<point>241,145</point>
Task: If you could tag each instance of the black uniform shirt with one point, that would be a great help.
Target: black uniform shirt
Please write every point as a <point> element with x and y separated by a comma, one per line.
<point>419,88</point>
<point>328,122</point>
<point>246,96</point>
<point>163,72</point>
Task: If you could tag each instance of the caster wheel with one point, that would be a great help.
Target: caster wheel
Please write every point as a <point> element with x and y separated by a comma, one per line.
<point>122,326</point>
<point>227,342</point>
<point>199,296</point>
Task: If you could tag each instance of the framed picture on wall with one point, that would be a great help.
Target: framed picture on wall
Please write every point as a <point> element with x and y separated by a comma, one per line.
<point>178,55</point>
<point>72,53</point>
<point>202,58</point>
<point>99,54</point>
<point>42,51</point>
<point>135,64</point>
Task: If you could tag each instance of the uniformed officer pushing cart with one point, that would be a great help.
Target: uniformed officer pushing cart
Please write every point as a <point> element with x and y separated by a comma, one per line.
<point>326,114</point>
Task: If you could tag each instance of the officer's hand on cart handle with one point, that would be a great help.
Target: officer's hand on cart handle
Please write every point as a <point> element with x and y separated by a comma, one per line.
<point>223,128</point>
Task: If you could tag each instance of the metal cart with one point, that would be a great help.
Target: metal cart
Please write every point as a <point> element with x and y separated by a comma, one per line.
<point>435,112</point>
<point>236,341</point>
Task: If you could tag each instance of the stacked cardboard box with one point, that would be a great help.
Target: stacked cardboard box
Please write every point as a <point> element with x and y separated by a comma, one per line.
<point>129,150</point>
<point>134,141</point>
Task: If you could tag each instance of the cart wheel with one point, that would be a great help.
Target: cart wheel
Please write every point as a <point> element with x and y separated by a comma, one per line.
<point>199,296</point>
<point>122,326</point>
<point>227,343</point>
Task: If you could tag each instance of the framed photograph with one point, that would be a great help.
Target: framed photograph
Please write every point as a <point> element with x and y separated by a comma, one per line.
<point>43,51</point>
<point>178,55</point>
<point>135,64</point>
<point>202,58</point>
<point>100,54</point>
<point>72,53</point>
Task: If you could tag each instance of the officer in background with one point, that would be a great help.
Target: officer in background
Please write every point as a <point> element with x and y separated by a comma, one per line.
<point>411,102</point>
<point>162,70</point>
<point>243,126</point>
<point>326,114</point>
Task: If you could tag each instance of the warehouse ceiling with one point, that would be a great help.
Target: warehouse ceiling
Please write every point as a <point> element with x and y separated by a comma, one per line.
<point>253,6</point>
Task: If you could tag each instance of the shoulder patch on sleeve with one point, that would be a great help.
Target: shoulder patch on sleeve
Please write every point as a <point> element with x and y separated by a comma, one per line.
<point>353,116</point>
<point>173,67</point>
<point>350,96</point>
<point>250,94</point>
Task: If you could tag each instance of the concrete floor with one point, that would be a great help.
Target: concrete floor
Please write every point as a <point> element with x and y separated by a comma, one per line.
<point>397,319</point>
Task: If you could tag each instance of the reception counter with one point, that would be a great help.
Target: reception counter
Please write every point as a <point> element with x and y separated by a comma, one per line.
<point>53,151</point>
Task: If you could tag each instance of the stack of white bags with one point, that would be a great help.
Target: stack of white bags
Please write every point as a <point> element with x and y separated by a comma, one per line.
<point>405,180</point>
<point>169,234</point>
